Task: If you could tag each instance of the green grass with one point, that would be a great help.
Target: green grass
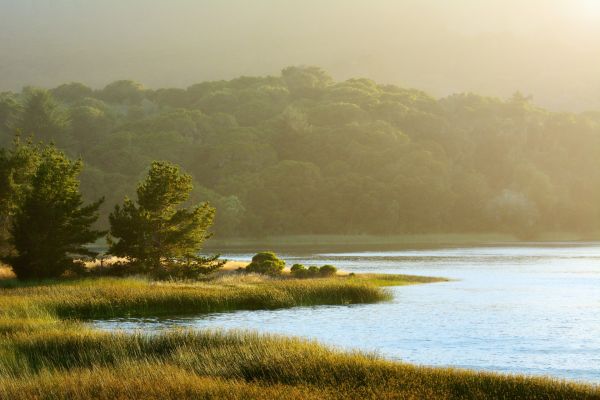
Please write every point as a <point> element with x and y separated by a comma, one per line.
<point>383,280</point>
<point>47,352</point>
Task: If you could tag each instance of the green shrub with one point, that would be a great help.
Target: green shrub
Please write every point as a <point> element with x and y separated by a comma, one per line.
<point>327,270</point>
<point>266,263</point>
<point>299,270</point>
<point>191,269</point>
<point>313,272</point>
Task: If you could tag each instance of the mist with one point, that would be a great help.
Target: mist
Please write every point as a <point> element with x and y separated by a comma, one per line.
<point>548,49</point>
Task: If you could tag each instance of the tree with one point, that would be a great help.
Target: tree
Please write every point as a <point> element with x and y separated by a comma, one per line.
<point>306,81</point>
<point>155,233</point>
<point>123,92</point>
<point>17,167</point>
<point>9,110</point>
<point>72,92</point>
<point>42,117</point>
<point>52,225</point>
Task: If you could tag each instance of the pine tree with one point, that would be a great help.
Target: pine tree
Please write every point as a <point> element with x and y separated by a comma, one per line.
<point>17,166</point>
<point>52,225</point>
<point>158,235</point>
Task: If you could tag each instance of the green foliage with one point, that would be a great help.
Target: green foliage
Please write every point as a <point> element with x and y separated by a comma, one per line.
<point>266,263</point>
<point>300,153</point>
<point>327,270</point>
<point>71,92</point>
<point>192,268</point>
<point>298,270</point>
<point>123,92</point>
<point>43,117</point>
<point>155,232</point>
<point>51,224</point>
<point>17,167</point>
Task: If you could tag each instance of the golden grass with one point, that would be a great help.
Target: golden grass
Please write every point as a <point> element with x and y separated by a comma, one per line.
<point>6,272</point>
<point>78,363</point>
<point>46,352</point>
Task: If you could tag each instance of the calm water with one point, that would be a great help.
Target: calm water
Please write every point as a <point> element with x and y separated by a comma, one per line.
<point>533,310</point>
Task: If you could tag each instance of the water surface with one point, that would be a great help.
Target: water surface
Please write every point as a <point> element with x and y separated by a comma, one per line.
<point>522,309</point>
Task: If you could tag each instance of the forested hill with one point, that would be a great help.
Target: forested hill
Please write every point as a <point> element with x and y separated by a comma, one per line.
<point>301,153</point>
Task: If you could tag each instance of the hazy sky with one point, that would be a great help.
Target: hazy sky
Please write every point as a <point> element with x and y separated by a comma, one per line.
<point>547,48</point>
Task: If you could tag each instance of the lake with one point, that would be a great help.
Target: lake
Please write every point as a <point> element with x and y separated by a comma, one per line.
<point>518,309</point>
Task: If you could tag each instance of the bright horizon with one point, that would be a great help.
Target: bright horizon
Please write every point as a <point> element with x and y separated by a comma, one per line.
<point>547,49</point>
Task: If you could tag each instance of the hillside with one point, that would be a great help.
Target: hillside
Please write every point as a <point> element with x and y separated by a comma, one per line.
<point>300,153</point>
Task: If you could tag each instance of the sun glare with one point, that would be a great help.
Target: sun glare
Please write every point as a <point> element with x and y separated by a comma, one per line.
<point>590,9</point>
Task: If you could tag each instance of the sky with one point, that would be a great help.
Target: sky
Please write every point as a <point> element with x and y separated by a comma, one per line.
<point>549,49</point>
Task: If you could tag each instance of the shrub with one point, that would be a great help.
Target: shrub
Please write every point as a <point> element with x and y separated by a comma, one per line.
<point>299,270</point>
<point>327,270</point>
<point>313,271</point>
<point>190,269</point>
<point>266,263</point>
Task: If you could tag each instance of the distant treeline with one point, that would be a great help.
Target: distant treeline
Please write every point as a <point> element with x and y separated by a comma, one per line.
<point>301,153</point>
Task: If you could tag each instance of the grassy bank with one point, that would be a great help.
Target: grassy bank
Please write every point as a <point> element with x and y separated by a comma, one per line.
<point>47,352</point>
<point>114,297</point>
<point>79,364</point>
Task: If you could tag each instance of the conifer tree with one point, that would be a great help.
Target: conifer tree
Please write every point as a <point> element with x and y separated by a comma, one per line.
<point>156,233</point>
<point>52,224</point>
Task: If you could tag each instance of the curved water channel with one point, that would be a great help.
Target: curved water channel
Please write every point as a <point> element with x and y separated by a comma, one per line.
<point>518,309</point>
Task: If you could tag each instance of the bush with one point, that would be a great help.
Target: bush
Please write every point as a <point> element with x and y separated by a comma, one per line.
<point>299,270</point>
<point>191,269</point>
<point>313,272</point>
<point>327,270</point>
<point>266,263</point>
<point>119,269</point>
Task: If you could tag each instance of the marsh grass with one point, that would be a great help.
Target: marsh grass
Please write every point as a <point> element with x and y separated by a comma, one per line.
<point>47,352</point>
<point>384,280</point>
<point>113,297</point>
<point>70,363</point>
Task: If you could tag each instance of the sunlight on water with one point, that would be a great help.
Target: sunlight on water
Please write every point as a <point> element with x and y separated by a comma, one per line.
<point>533,310</point>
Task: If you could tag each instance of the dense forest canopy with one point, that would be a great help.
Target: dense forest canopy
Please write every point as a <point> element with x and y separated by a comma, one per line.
<point>302,153</point>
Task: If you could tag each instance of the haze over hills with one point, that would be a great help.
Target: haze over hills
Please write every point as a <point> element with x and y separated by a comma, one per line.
<point>549,49</point>
<point>299,153</point>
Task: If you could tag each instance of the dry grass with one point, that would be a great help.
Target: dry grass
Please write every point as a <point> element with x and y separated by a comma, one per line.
<point>64,363</point>
<point>6,272</point>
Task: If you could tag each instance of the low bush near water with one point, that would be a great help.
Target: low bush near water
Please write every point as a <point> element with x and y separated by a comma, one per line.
<point>300,271</point>
<point>266,263</point>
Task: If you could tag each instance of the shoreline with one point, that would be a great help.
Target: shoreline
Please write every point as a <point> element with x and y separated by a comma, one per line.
<point>399,242</point>
<point>46,346</point>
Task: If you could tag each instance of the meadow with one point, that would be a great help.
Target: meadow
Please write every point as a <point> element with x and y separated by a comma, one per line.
<point>48,352</point>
